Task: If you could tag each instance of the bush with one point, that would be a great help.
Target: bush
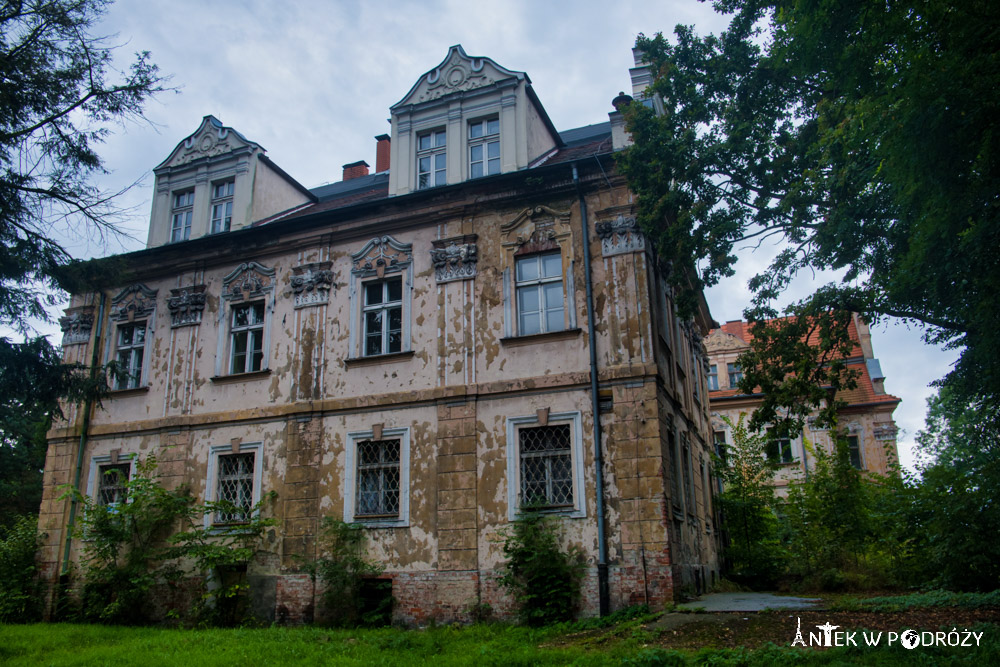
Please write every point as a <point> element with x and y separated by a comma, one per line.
<point>20,589</point>
<point>352,594</point>
<point>544,579</point>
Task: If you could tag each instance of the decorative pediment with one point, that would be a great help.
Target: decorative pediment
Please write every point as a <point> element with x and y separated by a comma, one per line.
<point>620,235</point>
<point>134,302</point>
<point>455,258</point>
<point>458,72</point>
<point>311,283</point>
<point>76,325</point>
<point>248,281</point>
<point>381,256</point>
<point>535,225</point>
<point>885,431</point>
<point>186,305</point>
<point>719,341</point>
<point>211,139</point>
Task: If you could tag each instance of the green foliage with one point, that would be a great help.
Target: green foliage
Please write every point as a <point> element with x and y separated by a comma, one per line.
<point>543,578</point>
<point>863,136</point>
<point>928,599</point>
<point>753,552</point>
<point>20,588</point>
<point>349,577</point>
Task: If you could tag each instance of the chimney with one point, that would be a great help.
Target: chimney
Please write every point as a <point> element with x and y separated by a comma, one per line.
<point>382,153</point>
<point>355,169</point>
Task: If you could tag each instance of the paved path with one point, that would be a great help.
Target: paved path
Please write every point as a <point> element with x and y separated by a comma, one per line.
<point>715,602</point>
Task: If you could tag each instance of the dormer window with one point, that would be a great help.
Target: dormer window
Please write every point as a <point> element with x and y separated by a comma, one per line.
<point>484,147</point>
<point>432,159</point>
<point>180,229</point>
<point>222,206</point>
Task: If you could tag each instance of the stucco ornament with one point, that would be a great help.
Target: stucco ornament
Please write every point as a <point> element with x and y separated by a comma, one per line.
<point>541,225</point>
<point>720,340</point>
<point>76,325</point>
<point>455,258</point>
<point>186,305</point>
<point>132,303</point>
<point>248,281</point>
<point>620,235</point>
<point>457,73</point>
<point>311,283</point>
<point>382,255</point>
<point>885,431</point>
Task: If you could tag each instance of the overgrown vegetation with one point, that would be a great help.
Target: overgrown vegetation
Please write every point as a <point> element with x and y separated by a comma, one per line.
<point>352,593</point>
<point>20,588</point>
<point>542,576</point>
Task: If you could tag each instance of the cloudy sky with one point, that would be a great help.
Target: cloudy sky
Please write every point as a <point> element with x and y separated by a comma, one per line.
<point>312,82</point>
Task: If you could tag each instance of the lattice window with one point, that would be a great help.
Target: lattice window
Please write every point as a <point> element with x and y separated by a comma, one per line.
<point>234,484</point>
<point>546,466</point>
<point>111,483</point>
<point>378,478</point>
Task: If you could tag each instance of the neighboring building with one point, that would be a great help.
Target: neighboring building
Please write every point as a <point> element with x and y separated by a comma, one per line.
<point>411,350</point>
<point>866,419</point>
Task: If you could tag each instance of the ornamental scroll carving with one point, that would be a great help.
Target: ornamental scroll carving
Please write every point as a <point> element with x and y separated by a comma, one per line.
<point>134,302</point>
<point>311,283</point>
<point>885,431</point>
<point>457,73</point>
<point>382,255</point>
<point>540,226</point>
<point>248,281</point>
<point>186,305</point>
<point>455,258</point>
<point>76,325</point>
<point>620,236</point>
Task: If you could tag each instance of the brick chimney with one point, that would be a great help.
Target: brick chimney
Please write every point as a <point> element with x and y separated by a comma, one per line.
<point>382,153</point>
<point>355,169</point>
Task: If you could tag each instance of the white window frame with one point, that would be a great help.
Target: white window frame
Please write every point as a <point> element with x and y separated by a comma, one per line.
<point>384,307</point>
<point>136,372</point>
<point>514,425</point>
<point>264,292</point>
<point>350,478</point>
<point>434,152</point>
<point>539,284</point>
<point>211,480</point>
<point>221,206</point>
<point>733,374</point>
<point>484,142</point>
<point>181,215</point>
<point>253,330</point>
<point>365,270</point>
<point>713,377</point>
<point>96,462</point>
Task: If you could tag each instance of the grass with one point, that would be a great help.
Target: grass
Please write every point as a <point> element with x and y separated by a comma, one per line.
<point>924,600</point>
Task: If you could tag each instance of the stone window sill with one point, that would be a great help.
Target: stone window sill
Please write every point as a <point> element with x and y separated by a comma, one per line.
<point>125,393</point>
<point>565,334</point>
<point>241,377</point>
<point>378,359</point>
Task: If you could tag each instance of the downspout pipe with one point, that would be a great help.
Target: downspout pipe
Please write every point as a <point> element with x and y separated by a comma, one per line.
<point>88,406</point>
<point>603,588</point>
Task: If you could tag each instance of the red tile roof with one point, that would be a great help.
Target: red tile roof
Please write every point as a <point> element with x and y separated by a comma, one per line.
<point>741,330</point>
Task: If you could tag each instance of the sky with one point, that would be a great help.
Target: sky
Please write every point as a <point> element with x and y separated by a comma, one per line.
<point>312,82</point>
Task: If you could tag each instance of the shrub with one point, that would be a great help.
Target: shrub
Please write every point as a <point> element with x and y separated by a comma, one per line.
<point>543,578</point>
<point>20,589</point>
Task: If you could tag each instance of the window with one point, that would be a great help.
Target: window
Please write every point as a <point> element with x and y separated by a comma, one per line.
<point>130,346</point>
<point>484,148</point>
<point>779,449</point>
<point>222,206</point>
<point>378,479</point>
<point>432,159</point>
<point>235,485</point>
<point>112,483</point>
<point>545,463</point>
<point>539,294</point>
<point>720,446</point>
<point>180,229</point>
<point>854,449</point>
<point>713,378</point>
<point>383,316</point>
<point>247,351</point>
<point>735,374</point>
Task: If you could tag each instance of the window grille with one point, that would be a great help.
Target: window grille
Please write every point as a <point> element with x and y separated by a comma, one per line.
<point>111,484</point>
<point>546,466</point>
<point>378,478</point>
<point>235,485</point>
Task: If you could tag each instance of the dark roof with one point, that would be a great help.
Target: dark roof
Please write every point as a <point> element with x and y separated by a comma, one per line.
<point>586,134</point>
<point>342,189</point>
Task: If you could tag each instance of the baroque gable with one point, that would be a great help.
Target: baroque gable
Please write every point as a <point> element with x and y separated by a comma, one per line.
<point>719,340</point>
<point>211,139</point>
<point>458,72</point>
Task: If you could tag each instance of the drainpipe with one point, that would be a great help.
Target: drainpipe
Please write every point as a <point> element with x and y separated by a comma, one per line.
<point>603,589</point>
<point>88,406</point>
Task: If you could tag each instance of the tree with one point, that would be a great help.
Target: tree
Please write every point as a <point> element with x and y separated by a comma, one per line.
<point>59,92</point>
<point>864,135</point>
